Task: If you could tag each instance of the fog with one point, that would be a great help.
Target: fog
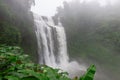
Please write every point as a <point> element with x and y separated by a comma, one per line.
<point>92,30</point>
<point>48,7</point>
<point>93,34</point>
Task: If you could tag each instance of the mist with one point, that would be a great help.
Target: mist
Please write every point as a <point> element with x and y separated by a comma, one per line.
<point>93,31</point>
<point>91,36</point>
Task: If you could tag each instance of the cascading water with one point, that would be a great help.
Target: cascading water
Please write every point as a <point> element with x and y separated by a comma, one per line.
<point>47,35</point>
<point>52,47</point>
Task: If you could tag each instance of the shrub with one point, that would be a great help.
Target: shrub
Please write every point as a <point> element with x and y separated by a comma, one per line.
<point>16,66</point>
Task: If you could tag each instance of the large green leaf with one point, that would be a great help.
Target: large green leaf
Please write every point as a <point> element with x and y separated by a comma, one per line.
<point>33,73</point>
<point>11,78</point>
<point>89,74</point>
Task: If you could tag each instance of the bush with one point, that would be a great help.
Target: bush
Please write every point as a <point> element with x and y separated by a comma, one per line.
<point>16,66</point>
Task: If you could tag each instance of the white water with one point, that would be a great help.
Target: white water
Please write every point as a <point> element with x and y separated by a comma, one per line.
<point>52,46</point>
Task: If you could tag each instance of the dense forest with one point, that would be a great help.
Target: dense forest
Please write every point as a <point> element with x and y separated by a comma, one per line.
<point>93,33</point>
<point>17,25</point>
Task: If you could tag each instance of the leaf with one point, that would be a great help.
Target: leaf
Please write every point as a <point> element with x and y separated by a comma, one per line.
<point>31,73</point>
<point>0,77</point>
<point>11,78</point>
<point>89,74</point>
<point>20,75</point>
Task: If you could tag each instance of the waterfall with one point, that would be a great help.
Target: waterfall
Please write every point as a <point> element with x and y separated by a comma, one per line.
<point>52,46</point>
<point>51,40</point>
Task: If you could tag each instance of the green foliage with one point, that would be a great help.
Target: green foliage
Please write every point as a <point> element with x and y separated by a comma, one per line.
<point>17,25</point>
<point>89,74</point>
<point>9,34</point>
<point>93,33</point>
<point>16,66</point>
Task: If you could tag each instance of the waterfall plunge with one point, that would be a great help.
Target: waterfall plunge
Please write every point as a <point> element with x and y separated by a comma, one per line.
<point>52,47</point>
<point>47,35</point>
